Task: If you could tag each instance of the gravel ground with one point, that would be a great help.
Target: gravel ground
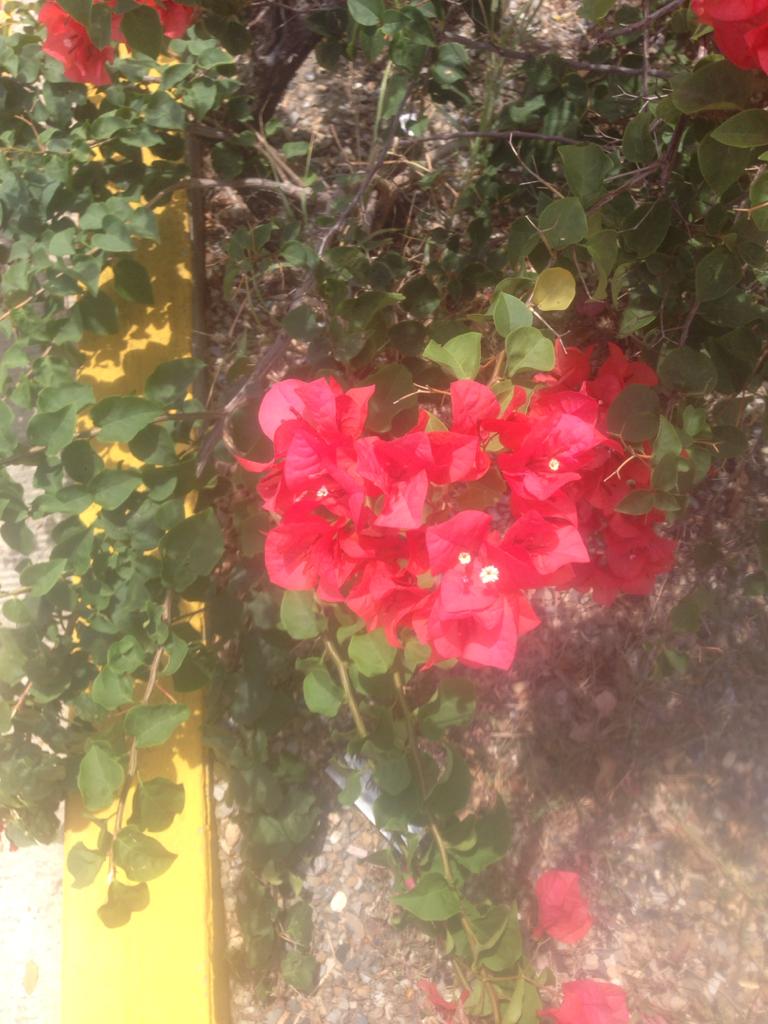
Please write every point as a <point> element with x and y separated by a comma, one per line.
<point>30,887</point>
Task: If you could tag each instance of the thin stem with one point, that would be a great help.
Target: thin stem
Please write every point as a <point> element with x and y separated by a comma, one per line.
<point>346,685</point>
<point>133,752</point>
<point>638,26</point>
<point>442,850</point>
<point>22,698</point>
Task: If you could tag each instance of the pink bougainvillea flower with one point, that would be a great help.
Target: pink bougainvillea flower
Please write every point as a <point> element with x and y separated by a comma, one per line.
<point>305,552</point>
<point>572,367</point>
<point>321,404</point>
<point>551,545</point>
<point>615,373</point>
<point>175,18</point>
<point>740,29</point>
<point>447,1009</point>
<point>472,404</point>
<point>479,611</point>
<point>563,911</point>
<point>397,471</point>
<point>551,445</point>
<point>68,42</point>
<point>590,1002</point>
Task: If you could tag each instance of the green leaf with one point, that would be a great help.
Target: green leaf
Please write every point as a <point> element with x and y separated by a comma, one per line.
<point>744,130</point>
<point>121,417</point>
<point>132,282</point>
<point>685,369</point>
<point>99,778</point>
<point>638,145</point>
<point>492,836</point>
<point>650,225</point>
<point>432,899</point>
<point>603,247</point>
<point>460,356</point>
<point>156,803</point>
<point>595,10</point>
<point>555,289</point>
<point>393,397</point>
<point>366,12</point>
<point>122,901</point>
<point>84,865</point>
<point>152,725</point>
<point>52,430</point>
<point>371,653</point>
<point>509,313</point>
<point>453,788</point>
<point>298,968</point>
<point>171,382</point>
<point>43,576</point>
<point>322,694</point>
<point>563,223</point>
<point>758,199</point>
<point>191,549</point>
<point>637,503</point>
<point>141,857</point>
<point>299,615</point>
<point>586,168</point>
<point>80,461</point>
<point>721,166</point>
<point>716,273</point>
<point>19,537</point>
<point>393,772</point>
<point>111,487</point>
<point>143,31</point>
<point>452,704</point>
<point>634,414</point>
<point>528,349</point>
<point>298,923</point>
<point>716,85</point>
<point>111,690</point>
<point>421,296</point>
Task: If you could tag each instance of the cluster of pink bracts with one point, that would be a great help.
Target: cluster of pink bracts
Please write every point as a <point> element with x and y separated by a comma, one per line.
<point>68,40</point>
<point>390,526</point>
<point>740,29</point>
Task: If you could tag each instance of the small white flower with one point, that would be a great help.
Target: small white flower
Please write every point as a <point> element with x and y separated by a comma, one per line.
<point>322,492</point>
<point>464,558</point>
<point>489,574</point>
<point>554,465</point>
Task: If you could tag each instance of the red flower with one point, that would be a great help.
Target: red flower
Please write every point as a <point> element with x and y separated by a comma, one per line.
<point>616,372</point>
<point>479,612</point>
<point>550,445</point>
<point>446,1009</point>
<point>68,42</point>
<point>305,552</point>
<point>572,367</point>
<point>591,1002</point>
<point>175,18</point>
<point>563,912</point>
<point>740,29</point>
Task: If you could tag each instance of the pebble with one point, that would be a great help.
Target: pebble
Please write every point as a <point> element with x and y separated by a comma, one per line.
<point>231,834</point>
<point>334,837</point>
<point>357,851</point>
<point>339,902</point>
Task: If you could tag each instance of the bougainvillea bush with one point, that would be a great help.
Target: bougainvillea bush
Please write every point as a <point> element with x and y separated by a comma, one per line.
<point>491,357</point>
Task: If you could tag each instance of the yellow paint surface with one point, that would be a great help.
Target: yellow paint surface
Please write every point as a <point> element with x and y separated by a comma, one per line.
<point>159,967</point>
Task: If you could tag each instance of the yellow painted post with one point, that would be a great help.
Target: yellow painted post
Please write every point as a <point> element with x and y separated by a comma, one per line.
<point>160,967</point>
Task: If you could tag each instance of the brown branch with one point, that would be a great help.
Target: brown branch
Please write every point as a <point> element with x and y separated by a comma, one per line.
<point>639,26</point>
<point>506,136</point>
<point>259,184</point>
<point>579,65</point>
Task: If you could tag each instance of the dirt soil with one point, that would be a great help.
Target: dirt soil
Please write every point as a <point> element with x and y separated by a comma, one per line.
<point>653,785</point>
